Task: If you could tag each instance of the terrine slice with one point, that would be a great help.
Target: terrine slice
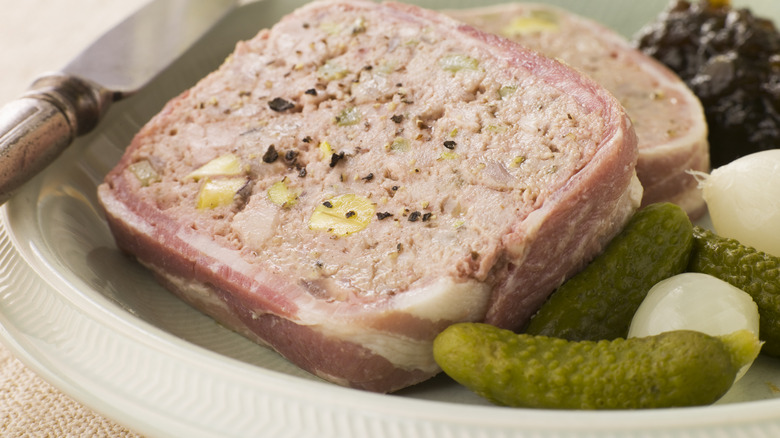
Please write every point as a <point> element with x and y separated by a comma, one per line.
<point>667,116</point>
<point>360,176</point>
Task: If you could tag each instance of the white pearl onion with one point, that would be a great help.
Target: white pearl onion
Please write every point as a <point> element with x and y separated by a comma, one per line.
<point>743,199</point>
<point>694,301</point>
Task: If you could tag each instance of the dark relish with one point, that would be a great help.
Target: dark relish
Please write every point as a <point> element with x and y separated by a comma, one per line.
<point>731,60</point>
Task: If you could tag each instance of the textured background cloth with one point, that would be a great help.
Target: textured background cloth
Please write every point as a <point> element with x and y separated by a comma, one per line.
<point>38,36</point>
<point>30,407</point>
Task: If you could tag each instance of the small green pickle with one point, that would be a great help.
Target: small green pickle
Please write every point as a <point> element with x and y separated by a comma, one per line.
<point>746,268</point>
<point>599,302</point>
<point>679,368</point>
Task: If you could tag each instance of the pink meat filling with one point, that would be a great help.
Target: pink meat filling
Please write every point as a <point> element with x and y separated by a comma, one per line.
<point>491,174</point>
<point>667,116</point>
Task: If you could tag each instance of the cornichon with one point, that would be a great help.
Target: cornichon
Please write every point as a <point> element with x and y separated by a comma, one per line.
<point>678,368</point>
<point>599,302</point>
<point>749,269</point>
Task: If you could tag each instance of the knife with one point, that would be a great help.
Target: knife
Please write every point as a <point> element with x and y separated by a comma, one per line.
<point>60,106</point>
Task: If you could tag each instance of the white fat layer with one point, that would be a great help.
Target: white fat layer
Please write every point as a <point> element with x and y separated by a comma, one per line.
<point>402,352</point>
<point>256,223</point>
<point>632,197</point>
<point>446,300</point>
<point>203,298</point>
<point>118,209</point>
<point>225,256</point>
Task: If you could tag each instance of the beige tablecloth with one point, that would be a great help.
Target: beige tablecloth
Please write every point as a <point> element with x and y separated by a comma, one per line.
<point>38,36</point>
<point>30,407</point>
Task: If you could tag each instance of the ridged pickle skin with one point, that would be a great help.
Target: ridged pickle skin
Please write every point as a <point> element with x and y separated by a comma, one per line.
<point>673,369</point>
<point>599,302</point>
<point>746,268</point>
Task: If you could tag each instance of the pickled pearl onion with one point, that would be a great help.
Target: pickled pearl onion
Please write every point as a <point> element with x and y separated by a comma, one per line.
<point>695,301</point>
<point>743,199</point>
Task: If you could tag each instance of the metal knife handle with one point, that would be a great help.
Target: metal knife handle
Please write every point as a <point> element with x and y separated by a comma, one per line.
<point>37,127</point>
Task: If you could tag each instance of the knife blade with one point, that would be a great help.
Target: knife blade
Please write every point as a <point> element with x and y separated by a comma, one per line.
<point>59,106</point>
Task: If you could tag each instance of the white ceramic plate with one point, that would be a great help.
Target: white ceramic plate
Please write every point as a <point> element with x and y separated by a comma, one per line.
<point>97,326</point>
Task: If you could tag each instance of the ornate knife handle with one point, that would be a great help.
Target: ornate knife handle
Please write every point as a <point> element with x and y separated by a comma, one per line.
<point>37,127</point>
